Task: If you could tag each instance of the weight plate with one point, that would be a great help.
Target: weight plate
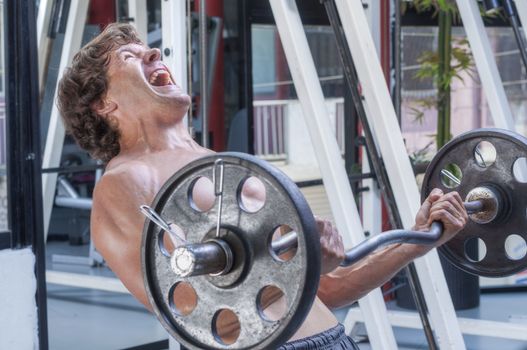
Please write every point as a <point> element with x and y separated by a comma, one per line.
<point>255,267</point>
<point>494,158</point>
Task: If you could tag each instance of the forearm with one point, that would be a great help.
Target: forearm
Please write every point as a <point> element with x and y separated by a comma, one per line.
<point>348,284</point>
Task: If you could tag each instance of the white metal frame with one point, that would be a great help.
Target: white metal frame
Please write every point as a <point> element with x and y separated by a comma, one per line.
<point>55,137</point>
<point>109,284</point>
<point>43,18</point>
<point>340,196</point>
<point>174,34</point>
<point>174,38</point>
<point>505,330</point>
<point>383,120</point>
<point>377,97</point>
<point>371,205</point>
<point>521,5</point>
<point>485,63</point>
<point>137,11</point>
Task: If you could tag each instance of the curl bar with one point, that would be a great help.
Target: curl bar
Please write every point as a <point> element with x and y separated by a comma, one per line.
<point>204,258</point>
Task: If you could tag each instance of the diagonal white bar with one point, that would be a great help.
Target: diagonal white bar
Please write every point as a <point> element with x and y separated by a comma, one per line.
<point>485,63</point>
<point>174,40</point>
<point>43,19</point>
<point>138,11</point>
<point>483,328</point>
<point>55,137</point>
<point>521,5</point>
<point>341,198</point>
<point>382,117</point>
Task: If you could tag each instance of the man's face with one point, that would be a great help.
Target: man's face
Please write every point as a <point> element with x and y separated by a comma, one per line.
<point>141,85</point>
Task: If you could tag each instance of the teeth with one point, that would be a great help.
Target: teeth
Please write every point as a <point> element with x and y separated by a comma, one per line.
<point>160,78</point>
<point>153,77</point>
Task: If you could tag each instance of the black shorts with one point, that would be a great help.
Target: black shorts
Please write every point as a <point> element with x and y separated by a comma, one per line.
<point>334,338</point>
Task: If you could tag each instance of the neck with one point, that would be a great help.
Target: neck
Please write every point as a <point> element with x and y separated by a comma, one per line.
<point>147,136</point>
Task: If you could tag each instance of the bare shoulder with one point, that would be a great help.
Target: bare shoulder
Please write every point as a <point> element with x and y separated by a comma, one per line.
<point>131,178</point>
<point>122,189</point>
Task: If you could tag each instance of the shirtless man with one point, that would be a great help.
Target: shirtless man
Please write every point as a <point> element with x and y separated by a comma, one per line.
<point>120,103</point>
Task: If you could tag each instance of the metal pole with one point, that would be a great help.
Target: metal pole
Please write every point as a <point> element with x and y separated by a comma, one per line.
<point>54,141</point>
<point>23,143</point>
<point>137,15</point>
<point>340,196</point>
<point>203,73</point>
<point>397,59</point>
<point>521,5</point>
<point>486,65</point>
<point>174,32</point>
<point>190,112</point>
<point>375,160</point>
<point>381,115</point>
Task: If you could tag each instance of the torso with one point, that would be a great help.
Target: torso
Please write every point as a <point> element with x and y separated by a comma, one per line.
<point>151,172</point>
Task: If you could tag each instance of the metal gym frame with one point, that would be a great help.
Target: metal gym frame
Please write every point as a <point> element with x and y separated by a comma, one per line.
<point>440,314</point>
<point>371,75</point>
<point>54,142</point>
<point>375,159</point>
<point>384,123</point>
<point>174,47</point>
<point>23,144</point>
<point>493,87</point>
<point>340,196</point>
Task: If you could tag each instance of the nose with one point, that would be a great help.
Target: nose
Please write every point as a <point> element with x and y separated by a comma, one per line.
<point>152,55</point>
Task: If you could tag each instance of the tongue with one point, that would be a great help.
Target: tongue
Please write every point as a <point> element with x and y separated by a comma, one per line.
<point>162,79</point>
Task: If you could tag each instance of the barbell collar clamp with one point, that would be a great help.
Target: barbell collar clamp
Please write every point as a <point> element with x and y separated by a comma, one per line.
<point>213,257</point>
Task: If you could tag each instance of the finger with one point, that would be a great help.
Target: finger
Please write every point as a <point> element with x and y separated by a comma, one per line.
<point>432,197</point>
<point>446,218</point>
<point>448,206</point>
<point>457,202</point>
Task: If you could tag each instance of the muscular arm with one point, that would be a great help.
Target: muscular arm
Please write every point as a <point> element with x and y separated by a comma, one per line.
<point>345,285</point>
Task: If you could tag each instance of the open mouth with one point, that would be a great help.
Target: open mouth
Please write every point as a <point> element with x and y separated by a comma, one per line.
<point>160,77</point>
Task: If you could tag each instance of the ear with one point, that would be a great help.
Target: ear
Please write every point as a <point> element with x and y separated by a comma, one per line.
<point>104,107</point>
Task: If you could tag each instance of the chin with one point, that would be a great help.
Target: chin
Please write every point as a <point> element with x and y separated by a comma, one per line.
<point>181,102</point>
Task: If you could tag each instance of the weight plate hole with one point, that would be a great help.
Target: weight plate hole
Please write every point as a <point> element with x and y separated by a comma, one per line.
<point>201,194</point>
<point>519,169</point>
<point>475,249</point>
<point>485,154</point>
<point>515,247</point>
<point>278,237</point>
<point>226,327</point>
<point>168,244</point>
<point>451,176</point>
<point>183,298</point>
<point>252,194</point>
<point>271,303</point>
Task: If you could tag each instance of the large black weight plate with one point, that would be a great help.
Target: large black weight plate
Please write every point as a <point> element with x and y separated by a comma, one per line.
<point>297,278</point>
<point>509,147</point>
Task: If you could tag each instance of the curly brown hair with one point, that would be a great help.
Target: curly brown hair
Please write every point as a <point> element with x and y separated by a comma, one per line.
<point>84,84</point>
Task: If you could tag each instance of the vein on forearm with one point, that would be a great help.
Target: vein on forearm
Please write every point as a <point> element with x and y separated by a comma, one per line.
<point>345,285</point>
